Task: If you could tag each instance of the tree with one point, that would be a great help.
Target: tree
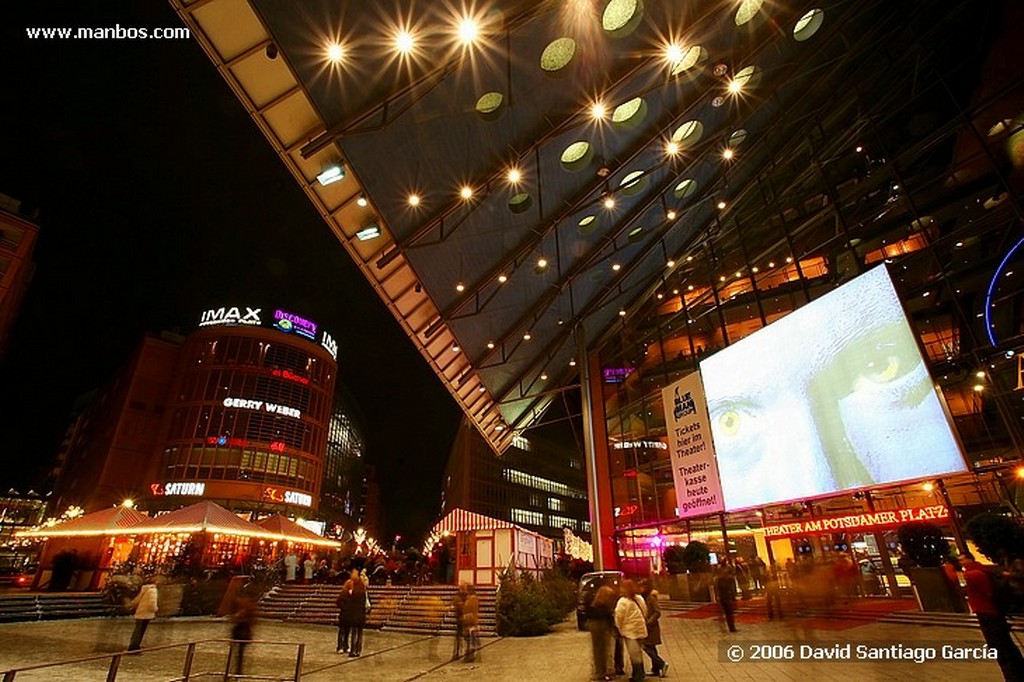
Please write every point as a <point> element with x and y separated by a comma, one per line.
<point>696,557</point>
<point>999,537</point>
<point>924,543</point>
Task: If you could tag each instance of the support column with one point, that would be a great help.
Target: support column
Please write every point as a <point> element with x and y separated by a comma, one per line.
<point>958,535</point>
<point>595,446</point>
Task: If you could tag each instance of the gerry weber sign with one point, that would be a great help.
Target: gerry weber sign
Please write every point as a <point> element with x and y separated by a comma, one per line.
<point>262,406</point>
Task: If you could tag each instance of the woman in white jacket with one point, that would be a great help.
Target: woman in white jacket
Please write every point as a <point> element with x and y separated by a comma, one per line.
<point>631,622</point>
<point>145,605</point>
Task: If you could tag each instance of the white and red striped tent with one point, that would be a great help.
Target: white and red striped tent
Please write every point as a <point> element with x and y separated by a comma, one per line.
<point>113,521</point>
<point>462,520</point>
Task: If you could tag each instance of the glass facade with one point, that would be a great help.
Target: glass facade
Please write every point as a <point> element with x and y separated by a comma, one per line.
<point>252,406</point>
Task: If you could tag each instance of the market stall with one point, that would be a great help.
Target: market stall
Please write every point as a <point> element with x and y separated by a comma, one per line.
<point>486,547</point>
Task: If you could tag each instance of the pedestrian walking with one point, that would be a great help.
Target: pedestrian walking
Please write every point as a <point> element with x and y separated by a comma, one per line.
<point>471,623</point>
<point>631,621</point>
<point>291,565</point>
<point>725,586</point>
<point>600,616</point>
<point>773,594</point>
<point>984,599</point>
<point>244,618</point>
<point>458,610</point>
<point>145,605</point>
<point>659,668</point>
<point>308,566</point>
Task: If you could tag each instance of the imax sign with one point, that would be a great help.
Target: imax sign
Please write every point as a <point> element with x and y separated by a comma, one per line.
<point>219,316</point>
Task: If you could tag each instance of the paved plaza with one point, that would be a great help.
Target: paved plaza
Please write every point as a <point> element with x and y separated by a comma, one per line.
<point>692,647</point>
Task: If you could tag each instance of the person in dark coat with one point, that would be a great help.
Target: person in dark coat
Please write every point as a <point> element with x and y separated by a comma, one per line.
<point>601,624</point>
<point>244,618</point>
<point>352,605</point>
<point>659,668</point>
<point>984,601</point>
<point>725,586</point>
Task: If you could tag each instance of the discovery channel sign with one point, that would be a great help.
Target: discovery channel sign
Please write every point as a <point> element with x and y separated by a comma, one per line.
<point>280,319</point>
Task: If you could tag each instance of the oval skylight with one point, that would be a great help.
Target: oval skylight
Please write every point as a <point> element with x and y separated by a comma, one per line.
<point>576,155</point>
<point>631,112</point>
<point>737,138</point>
<point>520,203</point>
<point>744,75</point>
<point>688,134</point>
<point>691,58</point>
<point>636,234</point>
<point>808,25</point>
<point>558,54</point>
<point>588,224</point>
<point>633,182</point>
<point>748,10</point>
<point>489,102</point>
<point>685,188</point>
<point>620,17</point>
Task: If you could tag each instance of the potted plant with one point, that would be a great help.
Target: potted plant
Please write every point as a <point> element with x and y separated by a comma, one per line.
<point>697,559</point>
<point>927,548</point>
<point>998,537</point>
<point>677,588</point>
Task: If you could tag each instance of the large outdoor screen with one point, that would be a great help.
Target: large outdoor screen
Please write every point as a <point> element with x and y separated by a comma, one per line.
<point>833,397</point>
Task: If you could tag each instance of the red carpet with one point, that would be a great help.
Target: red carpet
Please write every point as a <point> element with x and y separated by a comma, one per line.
<point>755,611</point>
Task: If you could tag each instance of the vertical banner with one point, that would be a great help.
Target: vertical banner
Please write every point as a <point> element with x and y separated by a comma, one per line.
<point>691,448</point>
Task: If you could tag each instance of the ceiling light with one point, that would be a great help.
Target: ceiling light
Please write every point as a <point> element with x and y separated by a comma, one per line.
<point>362,200</point>
<point>514,175</point>
<point>542,262</point>
<point>728,153</point>
<point>689,258</point>
<point>544,376</point>
<point>928,487</point>
<point>926,294</point>
<point>598,111</point>
<point>674,53</point>
<point>959,244</point>
<point>753,269</point>
<point>414,199</point>
<point>739,274</point>
<point>789,259</point>
<point>335,53</point>
<point>660,295</point>
<point>722,278</point>
<point>490,345</point>
<point>979,374</point>
<point>331,173</point>
<point>721,204</point>
<point>499,427</point>
<point>404,42</point>
<point>622,313</point>
<point>979,388</point>
<point>572,362</point>
<point>468,31</point>
<point>771,264</point>
<point>859,149</point>
<point>502,278</point>
<point>671,215</point>
<point>609,202</point>
<point>466,192</point>
<point>670,264</point>
<point>527,336</point>
<point>460,287</point>
<point>455,347</point>
<point>482,389</point>
<point>671,147</point>
<point>616,267</point>
<point>689,288</point>
<point>1020,472</point>
<point>735,86</point>
<point>675,292</point>
<point>371,231</point>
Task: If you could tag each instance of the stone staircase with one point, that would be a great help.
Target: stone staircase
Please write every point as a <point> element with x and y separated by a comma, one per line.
<point>406,608</point>
<point>52,606</point>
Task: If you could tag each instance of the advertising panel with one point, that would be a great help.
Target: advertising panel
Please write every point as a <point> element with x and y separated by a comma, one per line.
<point>692,453</point>
<point>833,397</point>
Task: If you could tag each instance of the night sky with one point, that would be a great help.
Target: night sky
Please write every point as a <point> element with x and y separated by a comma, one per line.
<point>158,197</point>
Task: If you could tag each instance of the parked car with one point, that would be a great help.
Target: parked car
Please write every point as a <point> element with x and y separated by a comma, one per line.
<point>590,583</point>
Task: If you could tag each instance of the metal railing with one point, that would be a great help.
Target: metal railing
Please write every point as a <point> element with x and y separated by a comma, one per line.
<point>187,672</point>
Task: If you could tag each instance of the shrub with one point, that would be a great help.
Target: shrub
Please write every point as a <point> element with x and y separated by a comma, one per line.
<point>561,592</point>
<point>674,559</point>
<point>202,597</point>
<point>527,607</point>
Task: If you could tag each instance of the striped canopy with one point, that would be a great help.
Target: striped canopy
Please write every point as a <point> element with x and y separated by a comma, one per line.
<point>118,520</point>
